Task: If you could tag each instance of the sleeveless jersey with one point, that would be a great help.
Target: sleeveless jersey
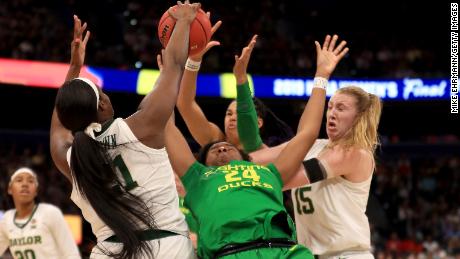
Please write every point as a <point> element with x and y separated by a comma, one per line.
<point>236,203</point>
<point>44,235</point>
<point>330,214</point>
<point>137,165</point>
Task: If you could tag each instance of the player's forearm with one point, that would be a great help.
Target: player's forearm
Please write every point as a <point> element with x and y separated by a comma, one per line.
<point>176,51</point>
<point>187,92</point>
<point>73,72</point>
<point>247,120</point>
<point>160,103</point>
<point>241,79</point>
<point>312,116</point>
<point>179,152</point>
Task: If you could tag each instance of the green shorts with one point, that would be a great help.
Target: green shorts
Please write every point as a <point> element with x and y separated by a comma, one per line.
<point>294,252</point>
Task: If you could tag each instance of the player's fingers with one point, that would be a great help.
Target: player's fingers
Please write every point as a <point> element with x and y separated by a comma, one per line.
<point>340,47</point>
<point>85,40</point>
<point>159,61</point>
<point>83,28</point>
<point>211,44</point>
<point>74,26</point>
<point>76,42</point>
<point>244,52</point>
<point>333,41</point>
<point>327,40</point>
<point>215,27</point>
<point>196,6</point>
<point>318,47</point>
<point>343,53</point>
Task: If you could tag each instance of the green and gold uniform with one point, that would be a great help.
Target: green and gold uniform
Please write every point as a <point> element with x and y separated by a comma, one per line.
<point>191,222</point>
<point>238,203</point>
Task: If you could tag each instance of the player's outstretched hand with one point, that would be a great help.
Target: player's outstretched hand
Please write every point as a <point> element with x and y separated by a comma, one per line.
<point>241,62</point>
<point>78,45</point>
<point>184,11</point>
<point>198,57</point>
<point>328,56</point>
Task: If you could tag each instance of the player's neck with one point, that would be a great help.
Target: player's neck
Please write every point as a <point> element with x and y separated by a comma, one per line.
<point>24,210</point>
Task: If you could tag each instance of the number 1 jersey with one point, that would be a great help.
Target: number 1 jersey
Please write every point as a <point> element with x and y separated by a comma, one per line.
<point>145,172</point>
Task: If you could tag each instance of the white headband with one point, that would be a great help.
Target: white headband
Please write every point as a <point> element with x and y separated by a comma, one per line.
<point>93,126</point>
<point>93,86</point>
<point>23,170</point>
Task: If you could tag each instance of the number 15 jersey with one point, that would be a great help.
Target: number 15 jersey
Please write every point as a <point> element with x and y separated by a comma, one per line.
<point>330,214</point>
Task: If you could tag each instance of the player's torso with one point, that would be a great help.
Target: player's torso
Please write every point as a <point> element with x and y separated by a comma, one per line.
<point>330,214</point>
<point>145,172</point>
<point>239,200</point>
<point>31,239</point>
<point>235,190</point>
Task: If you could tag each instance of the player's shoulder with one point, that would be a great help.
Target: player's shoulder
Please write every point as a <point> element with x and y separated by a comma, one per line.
<point>360,154</point>
<point>358,159</point>
<point>48,208</point>
<point>115,124</point>
<point>9,214</point>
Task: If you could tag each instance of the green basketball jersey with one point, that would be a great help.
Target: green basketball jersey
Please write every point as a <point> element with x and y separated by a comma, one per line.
<point>191,222</point>
<point>236,203</point>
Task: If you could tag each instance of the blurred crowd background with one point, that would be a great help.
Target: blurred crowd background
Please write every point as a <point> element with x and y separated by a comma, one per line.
<point>391,39</point>
<point>414,203</point>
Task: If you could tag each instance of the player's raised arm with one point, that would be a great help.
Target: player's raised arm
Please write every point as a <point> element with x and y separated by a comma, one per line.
<point>148,123</point>
<point>180,155</point>
<point>77,48</point>
<point>328,56</point>
<point>247,119</point>
<point>60,137</point>
<point>202,130</point>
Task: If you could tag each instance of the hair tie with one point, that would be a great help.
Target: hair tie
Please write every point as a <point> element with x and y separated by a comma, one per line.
<point>93,127</point>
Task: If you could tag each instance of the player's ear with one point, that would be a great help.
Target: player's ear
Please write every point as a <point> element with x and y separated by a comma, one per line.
<point>260,122</point>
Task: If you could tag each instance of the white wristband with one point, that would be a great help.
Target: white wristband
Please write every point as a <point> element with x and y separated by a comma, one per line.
<point>320,82</point>
<point>191,65</point>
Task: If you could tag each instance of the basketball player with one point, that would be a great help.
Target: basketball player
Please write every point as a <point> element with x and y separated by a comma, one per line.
<point>340,170</point>
<point>273,131</point>
<point>34,230</point>
<point>238,204</point>
<point>330,212</point>
<point>121,176</point>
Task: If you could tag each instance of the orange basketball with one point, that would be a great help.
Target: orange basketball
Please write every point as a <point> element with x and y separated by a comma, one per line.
<point>200,30</point>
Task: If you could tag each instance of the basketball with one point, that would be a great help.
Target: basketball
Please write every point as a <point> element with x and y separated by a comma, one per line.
<point>200,31</point>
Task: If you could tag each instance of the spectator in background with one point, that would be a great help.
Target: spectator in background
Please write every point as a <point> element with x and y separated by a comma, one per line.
<point>126,38</point>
